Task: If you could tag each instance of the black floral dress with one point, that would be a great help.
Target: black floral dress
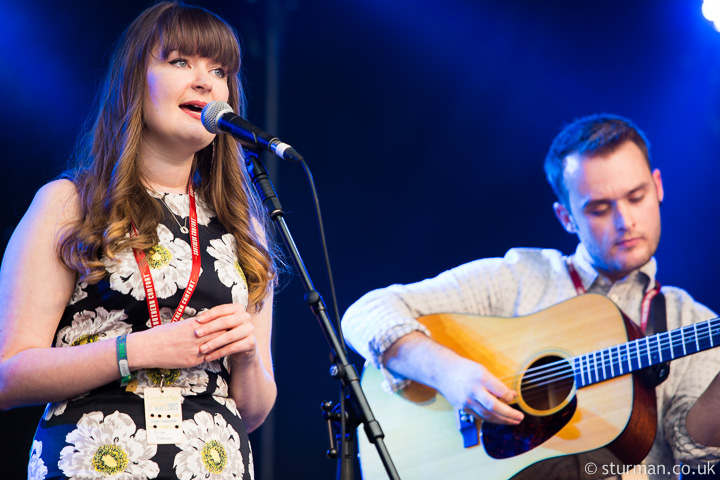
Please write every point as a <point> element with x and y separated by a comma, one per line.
<point>101,434</point>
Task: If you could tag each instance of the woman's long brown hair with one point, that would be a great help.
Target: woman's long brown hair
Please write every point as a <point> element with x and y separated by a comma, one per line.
<point>111,193</point>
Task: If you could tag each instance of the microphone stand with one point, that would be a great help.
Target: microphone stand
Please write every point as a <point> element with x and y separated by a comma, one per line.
<point>341,369</point>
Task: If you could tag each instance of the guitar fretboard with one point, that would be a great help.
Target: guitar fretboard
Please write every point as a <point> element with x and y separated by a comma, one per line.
<point>629,357</point>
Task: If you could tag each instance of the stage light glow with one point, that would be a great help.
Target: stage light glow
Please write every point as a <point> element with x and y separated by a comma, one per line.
<point>711,11</point>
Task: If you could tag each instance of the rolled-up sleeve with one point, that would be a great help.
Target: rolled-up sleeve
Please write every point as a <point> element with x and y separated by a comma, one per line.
<point>689,377</point>
<point>381,317</point>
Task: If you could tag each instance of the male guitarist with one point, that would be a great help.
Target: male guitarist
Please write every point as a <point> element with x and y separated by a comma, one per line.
<point>609,196</point>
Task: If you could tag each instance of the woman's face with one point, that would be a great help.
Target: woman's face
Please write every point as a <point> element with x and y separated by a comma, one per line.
<point>178,88</point>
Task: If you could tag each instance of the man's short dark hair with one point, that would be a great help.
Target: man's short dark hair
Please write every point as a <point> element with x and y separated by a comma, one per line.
<point>590,136</point>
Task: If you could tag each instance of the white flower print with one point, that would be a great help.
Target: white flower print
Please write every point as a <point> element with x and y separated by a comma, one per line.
<point>251,463</point>
<point>36,467</point>
<point>58,408</point>
<point>79,293</point>
<point>170,264</point>
<point>166,315</point>
<point>108,447</point>
<point>226,364</point>
<point>211,450</point>
<point>179,204</point>
<point>221,396</point>
<point>124,274</point>
<point>191,381</point>
<point>88,327</point>
<point>204,213</point>
<point>228,268</point>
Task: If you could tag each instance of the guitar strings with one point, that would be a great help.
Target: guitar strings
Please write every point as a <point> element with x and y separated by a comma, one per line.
<point>540,376</point>
<point>564,365</point>
<point>562,369</point>
<point>639,350</point>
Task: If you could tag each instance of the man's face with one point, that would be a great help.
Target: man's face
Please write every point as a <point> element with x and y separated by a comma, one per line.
<point>614,208</point>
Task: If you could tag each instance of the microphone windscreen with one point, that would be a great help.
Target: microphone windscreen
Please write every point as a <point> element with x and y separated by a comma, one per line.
<point>212,112</point>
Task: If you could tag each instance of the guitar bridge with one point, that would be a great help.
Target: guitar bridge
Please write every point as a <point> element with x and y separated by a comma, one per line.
<point>468,429</point>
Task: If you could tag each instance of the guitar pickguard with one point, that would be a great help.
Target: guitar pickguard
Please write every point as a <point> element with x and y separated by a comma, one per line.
<point>506,441</point>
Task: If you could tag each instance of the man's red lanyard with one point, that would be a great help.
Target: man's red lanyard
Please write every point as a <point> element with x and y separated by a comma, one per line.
<point>647,299</point>
<point>147,280</point>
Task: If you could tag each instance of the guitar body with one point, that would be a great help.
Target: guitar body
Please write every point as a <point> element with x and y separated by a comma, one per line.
<point>609,422</point>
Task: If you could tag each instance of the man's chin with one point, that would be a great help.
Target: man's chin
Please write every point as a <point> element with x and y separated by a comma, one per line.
<point>633,262</point>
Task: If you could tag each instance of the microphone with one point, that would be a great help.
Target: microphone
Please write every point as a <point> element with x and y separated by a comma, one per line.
<point>219,117</point>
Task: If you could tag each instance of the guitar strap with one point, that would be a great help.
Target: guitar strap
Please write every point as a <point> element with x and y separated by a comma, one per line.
<point>654,320</point>
<point>657,374</point>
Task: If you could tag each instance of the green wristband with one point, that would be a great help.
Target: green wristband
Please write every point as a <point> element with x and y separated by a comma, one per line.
<point>123,365</point>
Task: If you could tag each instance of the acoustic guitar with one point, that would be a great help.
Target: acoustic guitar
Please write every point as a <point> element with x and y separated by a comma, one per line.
<point>570,365</point>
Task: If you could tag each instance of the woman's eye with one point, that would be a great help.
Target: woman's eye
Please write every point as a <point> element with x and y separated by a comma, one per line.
<point>179,62</point>
<point>219,72</point>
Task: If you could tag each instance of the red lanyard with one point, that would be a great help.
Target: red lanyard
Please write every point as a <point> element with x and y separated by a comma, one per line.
<point>647,299</point>
<point>150,295</point>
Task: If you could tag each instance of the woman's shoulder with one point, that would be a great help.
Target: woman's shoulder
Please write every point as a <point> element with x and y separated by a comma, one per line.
<point>35,237</point>
<point>60,189</point>
<point>57,199</point>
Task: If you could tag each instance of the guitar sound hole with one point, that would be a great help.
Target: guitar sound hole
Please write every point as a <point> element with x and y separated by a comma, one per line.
<point>546,384</point>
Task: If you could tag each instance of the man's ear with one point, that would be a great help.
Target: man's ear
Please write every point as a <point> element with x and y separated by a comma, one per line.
<point>657,180</point>
<point>565,217</point>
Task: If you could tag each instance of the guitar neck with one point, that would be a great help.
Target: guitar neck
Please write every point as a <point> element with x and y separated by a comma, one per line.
<point>611,362</point>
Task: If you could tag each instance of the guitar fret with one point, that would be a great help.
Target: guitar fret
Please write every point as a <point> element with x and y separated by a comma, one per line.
<point>580,371</point>
<point>700,336</point>
<point>682,335</point>
<point>588,373</point>
<point>690,340</point>
<point>705,339</point>
<point>678,344</point>
<point>670,345</point>
<point>578,379</point>
<point>647,347</point>
<point>627,351</point>
<point>641,353</point>
<point>657,352</point>
<point>697,342</point>
<point>660,348</point>
<point>708,325</point>
<point>644,348</point>
<point>617,350</point>
<point>587,370</point>
<point>595,368</point>
<point>711,335</point>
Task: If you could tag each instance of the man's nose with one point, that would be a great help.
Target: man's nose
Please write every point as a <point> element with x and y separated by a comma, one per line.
<point>624,217</point>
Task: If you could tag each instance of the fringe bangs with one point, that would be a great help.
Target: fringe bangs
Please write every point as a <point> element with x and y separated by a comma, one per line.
<point>195,31</point>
